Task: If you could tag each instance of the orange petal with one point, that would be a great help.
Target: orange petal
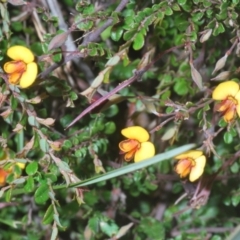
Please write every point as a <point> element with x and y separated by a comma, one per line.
<point>198,169</point>
<point>129,145</point>
<point>3,175</point>
<point>222,106</point>
<point>129,155</point>
<point>14,78</point>
<point>20,53</point>
<point>146,150</point>
<point>225,89</point>
<point>183,167</point>
<point>29,76</point>
<point>229,115</point>
<point>190,154</point>
<point>136,132</point>
<point>14,66</point>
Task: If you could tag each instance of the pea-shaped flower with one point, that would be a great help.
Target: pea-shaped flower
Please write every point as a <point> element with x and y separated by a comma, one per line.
<point>190,164</point>
<point>137,146</point>
<point>229,94</point>
<point>4,155</point>
<point>22,70</point>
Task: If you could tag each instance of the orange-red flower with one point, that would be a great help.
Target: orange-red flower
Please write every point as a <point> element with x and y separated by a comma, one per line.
<point>190,164</point>
<point>229,94</point>
<point>137,146</point>
<point>23,70</point>
<point>3,176</point>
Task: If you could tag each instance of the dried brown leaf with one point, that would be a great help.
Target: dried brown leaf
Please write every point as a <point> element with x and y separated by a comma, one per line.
<point>56,145</point>
<point>47,122</point>
<point>6,113</point>
<point>58,41</point>
<point>196,76</point>
<point>18,128</point>
<point>222,76</point>
<point>2,98</point>
<point>123,230</point>
<point>220,63</point>
<point>206,35</point>
<point>37,99</point>
<point>169,133</point>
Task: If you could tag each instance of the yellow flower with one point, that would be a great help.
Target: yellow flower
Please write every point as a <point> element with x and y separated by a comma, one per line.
<point>23,70</point>
<point>229,94</point>
<point>4,155</point>
<point>137,145</point>
<point>190,163</point>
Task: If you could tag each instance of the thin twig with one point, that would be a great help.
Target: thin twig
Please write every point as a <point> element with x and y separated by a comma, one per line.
<point>91,38</point>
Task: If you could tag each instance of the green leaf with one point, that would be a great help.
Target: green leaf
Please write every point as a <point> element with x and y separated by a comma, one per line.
<point>14,103</point>
<point>234,167</point>
<point>116,34</point>
<point>29,185</point>
<point>32,168</point>
<point>235,199</point>
<point>18,181</point>
<point>222,123</point>
<point>93,224</point>
<point>57,220</point>
<point>8,195</point>
<point>32,121</point>
<point>129,34</point>
<point>11,223</point>
<point>235,234</point>
<point>110,128</point>
<point>218,29</point>
<point>138,42</point>
<point>228,138</point>
<point>54,233</point>
<point>109,229</point>
<point>44,145</point>
<point>181,86</point>
<point>48,216</point>
<point>182,2</point>
<point>155,229</point>
<point>41,194</point>
<point>67,144</point>
<point>168,11</point>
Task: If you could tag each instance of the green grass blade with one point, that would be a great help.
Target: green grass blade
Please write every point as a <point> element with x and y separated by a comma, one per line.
<point>134,166</point>
<point>235,234</point>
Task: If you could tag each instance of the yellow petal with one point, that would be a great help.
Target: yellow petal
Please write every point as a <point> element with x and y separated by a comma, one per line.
<point>189,154</point>
<point>198,169</point>
<point>29,76</point>
<point>225,89</point>
<point>128,145</point>
<point>21,165</point>
<point>136,132</point>
<point>238,109</point>
<point>14,66</point>
<point>20,53</point>
<point>237,97</point>
<point>146,150</point>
